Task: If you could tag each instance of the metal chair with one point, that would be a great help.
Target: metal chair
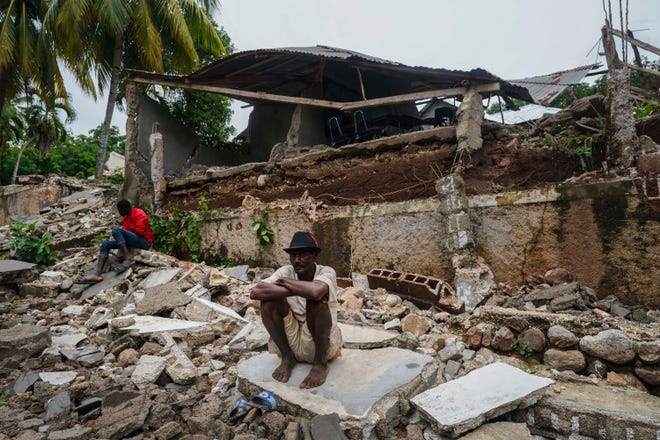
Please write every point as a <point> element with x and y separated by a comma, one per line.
<point>362,131</point>
<point>337,136</point>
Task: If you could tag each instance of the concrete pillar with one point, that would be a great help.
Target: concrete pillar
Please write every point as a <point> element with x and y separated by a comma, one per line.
<point>137,187</point>
<point>157,168</point>
<point>293,136</point>
<point>623,142</point>
<point>473,279</point>
<point>470,115</point>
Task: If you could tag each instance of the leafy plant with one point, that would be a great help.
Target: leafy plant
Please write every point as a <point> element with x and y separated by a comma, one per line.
<point>522,348</point>
<point>26,243</point>
<point>4,402</point>
<point>264,232</point>
<point>177,234</point>
<point>581,145</point>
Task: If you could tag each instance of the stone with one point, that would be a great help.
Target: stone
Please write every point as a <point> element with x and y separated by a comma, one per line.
<point>99,318</point>
<point>89,356</point>
<point>78,432</point>
<point>146,325</point>
<point>393,324</point>
<point>363,337</point>
<point>122,413</point>
<point>213,311</point>
<point>597,368</point>
<point>22,383</point>
<point>168,431</point>
<point>625,380</point>
<point>648,375</point>
<point>463,404</point>
<point>503,339</point>
<point>415,324</point>
<point>23,341</point>
<point>558,276</point>
<point>560,337</point>
<point>478,335</point>
<point>451,370</point>
<point>161,298</point>
<point>451,304</point>
<point>611,345</point>
<point>68,340</point>
<point>128,357</point>
<point>292,431</point>
<point>17,272</point>
<point>350,395</point>
<point>649,352</point>
<point>59,404</point>
<point>159,277</point>
<point>326,427</point>
<point>572,360</point>
<point>58,377</point>
<point>564,302</point>
<point>543,295</point>
<point>179,366</point>
<point>499,431</point>
<point>452,350</point>
<point>275,423</point>
<point>73,310</point>
<point>237,272</point>
<point>620,311</point>
<point>533,338</point>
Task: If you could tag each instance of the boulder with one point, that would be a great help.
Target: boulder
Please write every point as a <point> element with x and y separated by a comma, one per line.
<point>415,324</point>
<point>503,339</point>
<point>558,276</point>
<point>649,352</point>
<point>559,336</point>
<point>572,360</point>
<point>611,345</point>
<point>533,338</point>
<point>23,342</point>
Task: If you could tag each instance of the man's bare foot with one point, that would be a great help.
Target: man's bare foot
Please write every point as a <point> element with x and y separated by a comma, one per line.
<point>316,377</point>
<point>283,372</point>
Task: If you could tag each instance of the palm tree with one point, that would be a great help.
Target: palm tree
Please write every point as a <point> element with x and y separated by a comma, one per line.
<point>27,55</point>
<point>11,126</point>
<point>103,38</point>
<point>43,126</point>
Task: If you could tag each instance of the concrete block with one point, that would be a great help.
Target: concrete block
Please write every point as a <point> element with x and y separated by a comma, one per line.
<point>363,337</point>
<point>414,287</point>
<point>23,341</point>
<point>465,403</point>
<point>147,370</point>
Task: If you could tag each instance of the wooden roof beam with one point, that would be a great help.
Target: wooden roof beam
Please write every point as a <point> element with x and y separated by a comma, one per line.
<point>344,106</point>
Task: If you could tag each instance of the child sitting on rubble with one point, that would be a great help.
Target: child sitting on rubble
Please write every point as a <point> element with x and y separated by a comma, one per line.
<point>134,233</point>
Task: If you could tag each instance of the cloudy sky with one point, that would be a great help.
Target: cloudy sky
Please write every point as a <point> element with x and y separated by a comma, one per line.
<point>510,38</point>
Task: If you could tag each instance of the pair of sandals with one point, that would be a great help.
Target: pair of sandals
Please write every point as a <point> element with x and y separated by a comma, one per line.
<point>264,402</point>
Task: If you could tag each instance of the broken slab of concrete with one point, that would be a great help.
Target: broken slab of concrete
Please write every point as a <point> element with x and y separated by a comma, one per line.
<point>58,377</point>
<point>110,279</point>
<point>123,412</point>
<point>499,431</point>
<point>147,370</point>
<point>584,410</point>
<point>145,325</point>
<point>463,404</point>
<point>161,298</point>
<point>17,272</point>
<point>352,396</point>
<point>23,342</point>
<point>159,277</point>
<point>363,337</point>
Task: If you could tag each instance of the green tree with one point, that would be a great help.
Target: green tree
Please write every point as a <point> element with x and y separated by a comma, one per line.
<point>106,37</point>
<point>208,115</point>
<point>27,54</point>
<point>11,127</point>
<point>43,126</point>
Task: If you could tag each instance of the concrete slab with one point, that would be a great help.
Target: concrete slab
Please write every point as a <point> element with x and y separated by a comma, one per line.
<point>358,336</point>
<point>58,377</point>
<point>160,277</point>
<point>221,309</point>
<point>346,393</point>
<point>584,410</point>
<point>463,404</point>
<point>145,325</point>
<point>110,279</point>
<point>237,272</point>
<point>16,272</point>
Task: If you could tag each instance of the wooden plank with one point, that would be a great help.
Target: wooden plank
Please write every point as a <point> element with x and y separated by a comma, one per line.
<point>636,42</point>
<point>648,101</point>
<point>644,70</point>
<point>645,92</point>
<point>411,97</point>
<point>344,106</point>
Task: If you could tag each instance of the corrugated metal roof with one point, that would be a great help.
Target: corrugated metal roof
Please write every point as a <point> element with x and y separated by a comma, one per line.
<point>526,113</point>
<point>545,88</point>
<point>292,70</point>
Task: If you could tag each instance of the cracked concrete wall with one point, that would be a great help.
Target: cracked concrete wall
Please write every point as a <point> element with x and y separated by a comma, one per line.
<point>603,233</point>
<point>470,115</point>
<point>19,200</point>
<point>623,141</point>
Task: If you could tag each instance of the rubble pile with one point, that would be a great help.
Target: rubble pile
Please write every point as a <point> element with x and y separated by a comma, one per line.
<point>163,351</point>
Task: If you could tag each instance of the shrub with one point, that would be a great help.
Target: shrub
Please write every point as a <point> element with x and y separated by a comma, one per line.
<point>26,243</point>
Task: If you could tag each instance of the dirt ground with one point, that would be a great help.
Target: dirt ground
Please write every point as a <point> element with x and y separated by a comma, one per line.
<point>405,174</point>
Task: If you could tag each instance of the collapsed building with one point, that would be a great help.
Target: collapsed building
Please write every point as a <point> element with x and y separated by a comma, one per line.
<point>464,248</point>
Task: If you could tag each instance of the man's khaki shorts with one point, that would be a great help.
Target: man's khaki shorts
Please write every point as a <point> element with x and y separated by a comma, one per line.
<point>301,342</point>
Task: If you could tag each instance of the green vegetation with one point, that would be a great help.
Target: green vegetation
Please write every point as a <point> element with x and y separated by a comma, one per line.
<point>178,234</point>
<point>264,232</point>
<point>581,145</point>
<point>208,115</point>
<point>523,349</point>
<point>74,156</point>
<point>27,243</point>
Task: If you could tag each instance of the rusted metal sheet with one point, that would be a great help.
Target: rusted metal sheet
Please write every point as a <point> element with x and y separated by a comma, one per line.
<point>545,88</point>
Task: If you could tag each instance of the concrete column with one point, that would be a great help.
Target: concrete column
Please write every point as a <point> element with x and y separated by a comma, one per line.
<point>157,168</point>
<point>473,279</point>
<point>136,187</point>
<point>293,135</point>
<point>470,115</point>
<point>623,140</point>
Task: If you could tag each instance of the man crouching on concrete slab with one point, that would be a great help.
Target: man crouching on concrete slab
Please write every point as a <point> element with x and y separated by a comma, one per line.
<point>299,310</point>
